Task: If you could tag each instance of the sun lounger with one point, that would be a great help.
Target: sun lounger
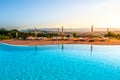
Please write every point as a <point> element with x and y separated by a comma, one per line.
<point>29,38</point>
<point>104,39</point>
<point>66,38</point>
<point>81,39</point>
<point>93,39</point>
<point>56,38</point>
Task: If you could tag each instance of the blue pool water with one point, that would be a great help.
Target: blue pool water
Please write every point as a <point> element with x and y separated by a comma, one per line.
<point>59,62</point>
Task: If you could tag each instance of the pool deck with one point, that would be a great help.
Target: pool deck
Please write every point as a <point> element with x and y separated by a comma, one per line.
<point>49,42</point>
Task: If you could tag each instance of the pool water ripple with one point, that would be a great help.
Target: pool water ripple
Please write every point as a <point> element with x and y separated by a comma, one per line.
<point>59,62</point>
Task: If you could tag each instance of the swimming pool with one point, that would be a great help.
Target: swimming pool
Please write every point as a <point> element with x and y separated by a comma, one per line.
<point>60,62</point>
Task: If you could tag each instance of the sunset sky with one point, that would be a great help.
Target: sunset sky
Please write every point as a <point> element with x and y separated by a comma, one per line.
<point>57,13</point>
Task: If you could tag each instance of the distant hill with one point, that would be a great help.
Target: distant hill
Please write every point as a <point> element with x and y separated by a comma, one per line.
<point>74,29</point>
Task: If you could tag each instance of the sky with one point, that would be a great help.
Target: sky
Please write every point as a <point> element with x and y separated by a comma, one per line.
<point>57,13</point>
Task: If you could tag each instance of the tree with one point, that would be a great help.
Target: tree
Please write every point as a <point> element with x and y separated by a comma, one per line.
<point>12,33</point>
<point>111,34</point>
<point>75,34</point>
<point>3,31</point>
